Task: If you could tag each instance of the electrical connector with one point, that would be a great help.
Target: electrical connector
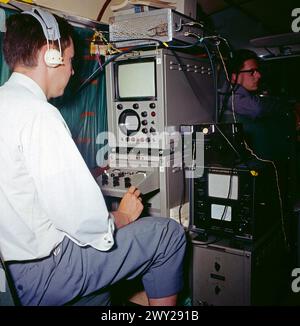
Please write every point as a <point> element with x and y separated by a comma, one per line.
<point>98,49</point>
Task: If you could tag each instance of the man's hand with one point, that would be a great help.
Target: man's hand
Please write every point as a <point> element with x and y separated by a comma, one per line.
<point>130,207</point>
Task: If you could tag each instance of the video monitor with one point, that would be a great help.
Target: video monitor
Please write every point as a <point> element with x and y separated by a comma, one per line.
<point>223,186</point>
<point>135,80</point>
<point>221,212</point>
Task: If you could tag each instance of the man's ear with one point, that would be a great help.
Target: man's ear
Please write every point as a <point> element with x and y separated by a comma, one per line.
<point>41,54</point>
<point>233,78</point>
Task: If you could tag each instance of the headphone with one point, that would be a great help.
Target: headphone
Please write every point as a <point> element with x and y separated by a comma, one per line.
<point>53,57</point>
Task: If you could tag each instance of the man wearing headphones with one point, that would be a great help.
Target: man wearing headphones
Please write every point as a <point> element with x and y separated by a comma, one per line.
<point>57,238</point>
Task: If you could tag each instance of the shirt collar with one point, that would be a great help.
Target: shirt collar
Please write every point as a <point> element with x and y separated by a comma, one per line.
<point>28,83</point>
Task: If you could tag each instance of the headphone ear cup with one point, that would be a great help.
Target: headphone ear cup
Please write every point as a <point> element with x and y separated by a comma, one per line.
<point>53,58</point>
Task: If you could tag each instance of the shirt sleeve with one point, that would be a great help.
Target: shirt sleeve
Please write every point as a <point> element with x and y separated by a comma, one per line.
<point>65,188</point>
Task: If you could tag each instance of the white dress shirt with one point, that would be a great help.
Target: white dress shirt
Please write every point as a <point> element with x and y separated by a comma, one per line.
<point>46,189</point>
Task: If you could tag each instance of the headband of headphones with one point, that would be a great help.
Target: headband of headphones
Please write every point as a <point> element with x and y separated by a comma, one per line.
<point>53,57</point>
<point>47,21</point>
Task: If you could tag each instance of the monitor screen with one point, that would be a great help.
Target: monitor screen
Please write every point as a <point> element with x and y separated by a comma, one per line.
<point>136,80</point>
<point>223,186</point>
<point>221,212</point>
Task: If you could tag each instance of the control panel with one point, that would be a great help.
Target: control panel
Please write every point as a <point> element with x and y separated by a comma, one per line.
<point>138,123</point>
<point>149,92</point>
<point>115,182</point>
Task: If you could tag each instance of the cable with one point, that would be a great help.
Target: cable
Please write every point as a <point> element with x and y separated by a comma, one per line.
<point>162,44</point>
<point>251,151</point>
<point>214,79</point>
<point>10,4</point>
<point>278,189</point>
<point>223,63</point>
<point>199,25</point>
<point>138,47</point>
<point>275,169</point>
<point>266,161</point>
<point>230,88</point>
<point>215,240</point>
<point>229,143</point>
<point>99,70</point>
<point>141,39</point>
<point>135,48</point>
<point>228,196</point>
<point>184,46</point>
<point>217,40</point>
<point>201,41</point>
<point>103,9</point>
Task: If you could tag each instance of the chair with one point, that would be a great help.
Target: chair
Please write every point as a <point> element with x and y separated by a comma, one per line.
<point>8,294</point>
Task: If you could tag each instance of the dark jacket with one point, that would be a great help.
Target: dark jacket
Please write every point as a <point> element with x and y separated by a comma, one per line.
<point>268,123</point>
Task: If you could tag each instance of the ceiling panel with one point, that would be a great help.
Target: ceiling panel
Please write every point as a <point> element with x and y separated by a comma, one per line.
<point>274,16</point>
<point>209,7</point>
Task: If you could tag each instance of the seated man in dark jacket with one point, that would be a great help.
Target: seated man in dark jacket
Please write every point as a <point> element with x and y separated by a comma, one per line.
<point>267,121</point>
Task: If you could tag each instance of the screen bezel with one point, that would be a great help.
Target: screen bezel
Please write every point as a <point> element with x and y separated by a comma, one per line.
<point>116,80</point>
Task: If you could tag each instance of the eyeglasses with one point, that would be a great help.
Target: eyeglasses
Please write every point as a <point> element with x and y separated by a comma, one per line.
<point>250,71</point>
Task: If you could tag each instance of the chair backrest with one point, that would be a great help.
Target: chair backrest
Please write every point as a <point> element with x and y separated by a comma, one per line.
<point>8,295</point>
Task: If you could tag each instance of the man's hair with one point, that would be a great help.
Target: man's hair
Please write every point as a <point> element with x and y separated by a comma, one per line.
<point>238,59</point>
<point>24,37</point>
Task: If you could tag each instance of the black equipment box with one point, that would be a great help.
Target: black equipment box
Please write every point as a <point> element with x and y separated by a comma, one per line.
<point>221,143</point>
<point>242,201</point>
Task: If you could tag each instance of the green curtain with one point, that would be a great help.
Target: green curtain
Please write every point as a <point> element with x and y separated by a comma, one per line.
<point>85,111</point>
<point>4,69</point>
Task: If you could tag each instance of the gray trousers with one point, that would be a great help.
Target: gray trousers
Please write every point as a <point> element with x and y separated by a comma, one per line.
<point>151,247</point>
